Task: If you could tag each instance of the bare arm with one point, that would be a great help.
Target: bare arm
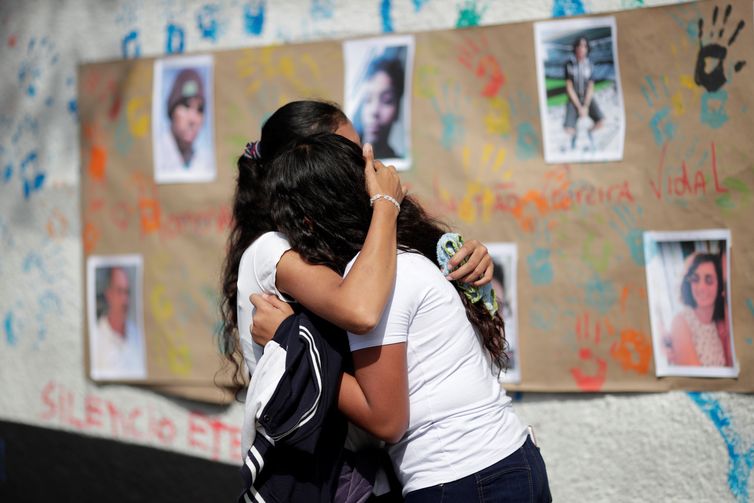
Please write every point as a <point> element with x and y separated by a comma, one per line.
<point>376,399</point>
<point>571,92</point>
<point>356,302</point>
<point>683,346</point>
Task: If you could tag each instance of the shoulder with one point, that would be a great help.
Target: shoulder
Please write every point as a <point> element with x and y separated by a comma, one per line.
<point>270,245</point>
<point>680,326</point>
<point>409,259</point>
<point>271,239</point>
<point>416,272</point>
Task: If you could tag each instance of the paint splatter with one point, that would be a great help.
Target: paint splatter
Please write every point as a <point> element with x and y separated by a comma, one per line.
<point>175,39</point>
<point>662,126</point>
<point>50,306</point>
<point>562,8</point>
<point>21,158</point>
<point>130,47</point>
<point>469,14</point>
<point>741,457</point>
<point>527,141</point>
<point>253,17</point>
<point>750,305</point>
<point>418,4</point>
<point>40,56</point>
<point>713,112</point>
<point>322,9</point>
<point>539,266</point>
<point>208,23</point>
<point>626,226</point>
<point>386,16</point>
<point>600,294</point>
<point>452,121</point>
<point>10,335</point>
<point>738,194</point>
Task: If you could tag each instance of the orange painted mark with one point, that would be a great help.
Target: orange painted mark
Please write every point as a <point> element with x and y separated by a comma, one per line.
<point>91,237</point>
<point>623,299</point>
<point>57,224</point>
<point>539,202</point>
<point>97,163</point>
<point>477,58</point>
<point>114,110</point>
<point>633,351</point>
<point>149,214</point>
<point>594,381</point>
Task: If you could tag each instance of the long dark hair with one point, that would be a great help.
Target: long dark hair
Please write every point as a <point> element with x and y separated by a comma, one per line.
<point>687,297</point>
<point>322,206</point>
<point>251,204</point>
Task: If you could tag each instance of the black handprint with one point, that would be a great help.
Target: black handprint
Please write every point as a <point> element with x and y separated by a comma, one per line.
<point>715,79</point>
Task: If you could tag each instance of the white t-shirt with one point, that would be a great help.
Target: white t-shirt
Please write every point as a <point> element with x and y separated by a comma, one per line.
<point>461,421</point>
<point>256,274</point>
<point>117,356</point>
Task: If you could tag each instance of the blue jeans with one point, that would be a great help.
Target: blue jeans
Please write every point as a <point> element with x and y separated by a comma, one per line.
<point>521,477</point>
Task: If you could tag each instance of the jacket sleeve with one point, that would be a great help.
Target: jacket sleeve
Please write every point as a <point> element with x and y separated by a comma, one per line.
<point>307,389</point>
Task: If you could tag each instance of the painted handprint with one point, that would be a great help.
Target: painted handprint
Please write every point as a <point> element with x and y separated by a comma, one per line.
<point>662,125</point>
<point>477,57</point>
<point>713,50</point>
<point>453,129</point>
<point>591,372</point>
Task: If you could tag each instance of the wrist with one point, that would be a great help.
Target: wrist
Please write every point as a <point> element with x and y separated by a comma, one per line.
<point>384,198</point>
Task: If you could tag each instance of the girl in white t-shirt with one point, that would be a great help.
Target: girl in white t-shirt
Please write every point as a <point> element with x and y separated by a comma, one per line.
<point>259,260</point>
<point>426,374</point>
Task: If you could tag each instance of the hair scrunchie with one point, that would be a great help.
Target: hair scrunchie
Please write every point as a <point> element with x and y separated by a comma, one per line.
<point>252,150</point>
<point>447,246</point>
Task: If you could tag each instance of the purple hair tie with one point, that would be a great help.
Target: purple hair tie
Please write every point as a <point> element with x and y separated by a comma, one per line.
<point>252,151</point>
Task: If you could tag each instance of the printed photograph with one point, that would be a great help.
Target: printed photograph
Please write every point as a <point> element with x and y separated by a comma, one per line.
<point>580,98</point>
<point>688,288</point>
<point>505,257</point>
<point>182,120</point>
<point>115,317</point>
<point>378,95</point>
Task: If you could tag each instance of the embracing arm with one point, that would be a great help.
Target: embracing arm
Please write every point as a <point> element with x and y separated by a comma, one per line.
<point>354,303</point>
<point>376,399</point>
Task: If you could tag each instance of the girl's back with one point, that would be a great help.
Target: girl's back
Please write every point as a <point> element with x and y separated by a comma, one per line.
<point>460,418</point>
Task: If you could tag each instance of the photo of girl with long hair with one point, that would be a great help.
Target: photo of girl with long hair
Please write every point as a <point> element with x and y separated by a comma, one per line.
<point>377,95</point>
<point>689,299</point>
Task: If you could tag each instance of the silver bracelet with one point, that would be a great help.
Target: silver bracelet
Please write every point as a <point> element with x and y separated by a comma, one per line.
<point>386,198</point>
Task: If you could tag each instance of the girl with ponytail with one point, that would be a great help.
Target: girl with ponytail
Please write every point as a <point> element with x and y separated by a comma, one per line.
<point>259,259</point>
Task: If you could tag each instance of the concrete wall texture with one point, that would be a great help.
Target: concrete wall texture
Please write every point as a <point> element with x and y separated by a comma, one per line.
<point>634,447</point>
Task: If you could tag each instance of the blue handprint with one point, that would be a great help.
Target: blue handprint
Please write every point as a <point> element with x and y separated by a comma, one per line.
<point>662,126</point>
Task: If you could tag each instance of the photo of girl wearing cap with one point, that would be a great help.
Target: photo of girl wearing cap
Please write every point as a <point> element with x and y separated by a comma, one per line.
<point>181,120</point>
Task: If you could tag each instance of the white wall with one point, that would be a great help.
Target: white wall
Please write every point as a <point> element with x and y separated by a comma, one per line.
<point>650,447</point>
